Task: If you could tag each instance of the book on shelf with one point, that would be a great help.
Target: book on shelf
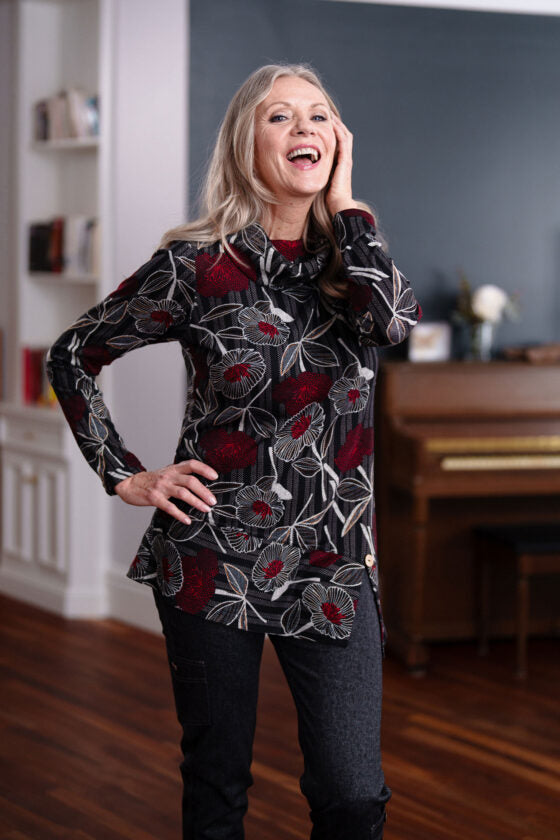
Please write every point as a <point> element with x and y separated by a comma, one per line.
<point>64,244</point>
<point>70,113</point>
<point>37,390</point>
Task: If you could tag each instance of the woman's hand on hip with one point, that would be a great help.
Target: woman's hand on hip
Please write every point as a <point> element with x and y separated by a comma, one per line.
<point>155,487</point>
<point>339,195</point>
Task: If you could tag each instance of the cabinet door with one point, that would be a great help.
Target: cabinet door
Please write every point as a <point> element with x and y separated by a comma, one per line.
<point>34,510</point>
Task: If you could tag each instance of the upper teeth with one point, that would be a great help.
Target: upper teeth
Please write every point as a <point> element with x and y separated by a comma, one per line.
<point>305,150</point>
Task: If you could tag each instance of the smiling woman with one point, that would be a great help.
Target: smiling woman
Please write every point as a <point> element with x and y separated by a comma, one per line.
<point>265,522</point>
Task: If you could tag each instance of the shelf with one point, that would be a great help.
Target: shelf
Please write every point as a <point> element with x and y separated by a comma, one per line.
<point>30,410</point>
<point>66,144</point>
<point>55,277</point>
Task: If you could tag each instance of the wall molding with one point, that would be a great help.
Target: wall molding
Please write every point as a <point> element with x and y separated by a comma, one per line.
<point>520,7</point>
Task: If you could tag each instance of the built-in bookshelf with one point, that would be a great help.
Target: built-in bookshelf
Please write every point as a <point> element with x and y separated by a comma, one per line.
<point>50,512</point>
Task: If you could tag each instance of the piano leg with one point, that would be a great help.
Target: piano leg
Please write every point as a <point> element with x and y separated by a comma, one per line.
<point>416,652</point>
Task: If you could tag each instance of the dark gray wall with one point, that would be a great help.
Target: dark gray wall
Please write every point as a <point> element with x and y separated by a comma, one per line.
<point>456,123</point>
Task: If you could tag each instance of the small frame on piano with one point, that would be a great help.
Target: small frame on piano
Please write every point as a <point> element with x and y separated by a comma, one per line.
<point>430,342</point>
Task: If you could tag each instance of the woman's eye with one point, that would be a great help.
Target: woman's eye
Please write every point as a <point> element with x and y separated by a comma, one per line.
<point>319,117</point>
<point>278,117</point>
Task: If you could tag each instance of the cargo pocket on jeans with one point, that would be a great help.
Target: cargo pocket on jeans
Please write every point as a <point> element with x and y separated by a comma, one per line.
<point>190,688</point>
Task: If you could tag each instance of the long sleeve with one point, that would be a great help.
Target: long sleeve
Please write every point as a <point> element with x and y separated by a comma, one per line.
<point>148,307</point>
<point>381,308</point>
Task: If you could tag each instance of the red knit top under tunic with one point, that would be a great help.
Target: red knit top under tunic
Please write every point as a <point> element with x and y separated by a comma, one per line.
<point>280,385</point>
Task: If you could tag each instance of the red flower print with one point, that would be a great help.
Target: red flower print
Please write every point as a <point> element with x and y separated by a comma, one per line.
<point>215,279</point>
<point>299,391</point>
<point>349,395</point>
<point>323,558</point>
<point>226,451</point>
<point>240,540</point>
<point>169,568</point>
<point>331,608</point>
<point>260,326</point>
<point>275,566</point>
<point>141,563</point>
<point>94,358</point>
<point>360,296</point>
<point>74,408</point>
<point>258,508</point>
<point>155,317</point>
<point>289,248</point>
<point>358,444</point>
<point>237,372</point>
<point>198,580</point>
<point>299,431</point>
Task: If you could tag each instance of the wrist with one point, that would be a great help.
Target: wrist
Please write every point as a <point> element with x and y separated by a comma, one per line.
<point>339,206</point>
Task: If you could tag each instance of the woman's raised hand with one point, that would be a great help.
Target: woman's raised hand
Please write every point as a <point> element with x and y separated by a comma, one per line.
<point>154,487</point>
<point>339,196</point>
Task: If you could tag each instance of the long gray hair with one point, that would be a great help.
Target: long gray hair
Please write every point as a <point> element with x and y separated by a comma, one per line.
<point>233,196</point>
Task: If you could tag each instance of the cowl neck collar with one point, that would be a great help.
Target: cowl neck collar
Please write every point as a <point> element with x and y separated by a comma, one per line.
<point>271,267</point>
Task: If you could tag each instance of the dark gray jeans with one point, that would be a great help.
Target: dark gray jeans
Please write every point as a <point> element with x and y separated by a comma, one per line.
<point>337,693</point>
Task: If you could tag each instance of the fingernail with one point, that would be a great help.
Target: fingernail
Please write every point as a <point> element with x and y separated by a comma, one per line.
<point>212,500</point>
<point>214,475</point>
<point>188,520</point>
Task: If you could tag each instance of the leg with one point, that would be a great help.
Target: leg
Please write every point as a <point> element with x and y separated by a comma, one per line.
<point>337,692</point>
<point>522,620</point>
<point>215,674</point>
<point>483,581</point>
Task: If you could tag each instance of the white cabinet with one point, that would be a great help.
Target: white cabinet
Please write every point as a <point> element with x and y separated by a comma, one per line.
<point>34,513</point>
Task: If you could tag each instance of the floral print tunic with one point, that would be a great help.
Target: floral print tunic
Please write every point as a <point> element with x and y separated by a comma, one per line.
<point>279,402</point>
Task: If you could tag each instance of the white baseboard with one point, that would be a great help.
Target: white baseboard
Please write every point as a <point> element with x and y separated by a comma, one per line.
<point>41,589</point>
<point>131,602</point>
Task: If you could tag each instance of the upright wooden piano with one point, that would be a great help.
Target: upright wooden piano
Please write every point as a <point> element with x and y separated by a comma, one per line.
<point>457,444</point>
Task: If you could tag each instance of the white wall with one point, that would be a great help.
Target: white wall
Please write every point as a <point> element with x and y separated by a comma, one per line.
<point>7,190</point>
<point>146,390</point>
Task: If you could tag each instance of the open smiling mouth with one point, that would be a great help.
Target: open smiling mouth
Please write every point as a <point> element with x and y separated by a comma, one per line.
<point>304,157</point>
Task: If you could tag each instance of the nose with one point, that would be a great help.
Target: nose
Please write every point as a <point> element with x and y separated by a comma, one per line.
<point>303,125</point>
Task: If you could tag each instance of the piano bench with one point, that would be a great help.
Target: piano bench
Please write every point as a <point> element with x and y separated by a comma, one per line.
<point>534,548</point>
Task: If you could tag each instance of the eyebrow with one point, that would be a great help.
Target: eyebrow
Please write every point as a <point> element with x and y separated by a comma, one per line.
<point>315,105</point>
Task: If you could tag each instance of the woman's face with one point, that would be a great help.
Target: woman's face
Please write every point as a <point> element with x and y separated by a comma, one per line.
<point>294,140</point>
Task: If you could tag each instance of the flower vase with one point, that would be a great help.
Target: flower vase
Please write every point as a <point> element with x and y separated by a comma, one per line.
<point>481,339</point>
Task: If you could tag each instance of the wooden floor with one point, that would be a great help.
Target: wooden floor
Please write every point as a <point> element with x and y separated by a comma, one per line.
<point>89,740</point>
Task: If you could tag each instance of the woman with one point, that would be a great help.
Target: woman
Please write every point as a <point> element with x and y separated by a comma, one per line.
<point>264,523</point>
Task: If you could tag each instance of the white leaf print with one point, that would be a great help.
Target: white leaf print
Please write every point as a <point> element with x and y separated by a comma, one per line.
<point>289,357</point>
<point>354,517</point>
<point>352,490</point>
<point>320,330</point>
<point>233,332</point>
<point>263,422</point>
<point>220,311</point>
<point>306,537</point>
<point>158,280</point>
<point>320,354</point>
<point>124,342</point>
<point>348,575</point>
<point>226,613</point>
<point>114,314</point>
<point>308,467</point>
<point>291,617</point>
<point>228,415</point>
<point>97,428</point>
<point>237,580</point>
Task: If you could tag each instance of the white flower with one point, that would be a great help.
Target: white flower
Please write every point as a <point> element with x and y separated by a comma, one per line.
<point>489,303</point>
